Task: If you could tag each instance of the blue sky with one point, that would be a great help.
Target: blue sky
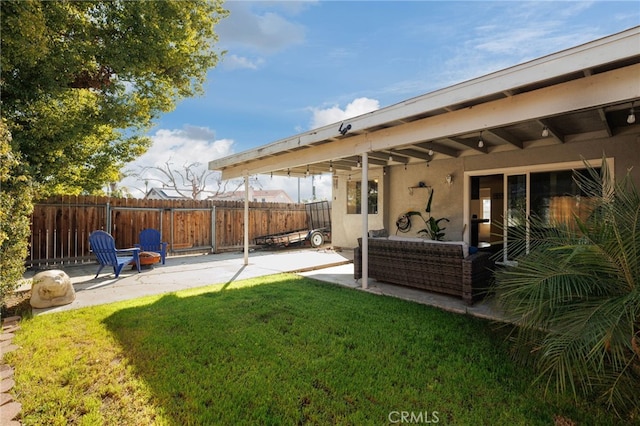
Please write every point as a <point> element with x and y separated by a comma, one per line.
<point>291,66</point>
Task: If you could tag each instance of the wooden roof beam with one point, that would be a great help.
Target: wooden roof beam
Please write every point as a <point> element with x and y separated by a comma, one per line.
<point>438,148</point>
<point>605,122</point>
<point>391,156</point>
<point>414,153</point>
<point>355,159</point>
<point>506,137</point>
<point>553,132</point>
<point>473,145</point>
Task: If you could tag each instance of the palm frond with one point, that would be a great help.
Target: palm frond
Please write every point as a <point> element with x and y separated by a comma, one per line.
<point>574,293</point>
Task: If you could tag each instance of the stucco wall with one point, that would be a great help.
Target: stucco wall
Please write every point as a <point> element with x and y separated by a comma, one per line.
<point>395,198</point>
<point>447,199</point>
<point>346,228</point>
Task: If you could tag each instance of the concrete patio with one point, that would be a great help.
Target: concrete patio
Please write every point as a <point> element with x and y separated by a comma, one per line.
<point>184,272</point>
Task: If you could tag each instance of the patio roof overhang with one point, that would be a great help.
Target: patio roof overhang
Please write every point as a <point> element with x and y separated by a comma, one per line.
<point>578,94</point>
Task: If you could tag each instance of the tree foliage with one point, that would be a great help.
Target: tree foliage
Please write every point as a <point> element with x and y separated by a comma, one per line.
<point>575,294</point>
<point>83,80</point>
<point>15,209</point>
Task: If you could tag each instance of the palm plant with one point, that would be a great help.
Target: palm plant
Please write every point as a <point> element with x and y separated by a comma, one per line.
<point>433,229</point>
<point>574,294</point>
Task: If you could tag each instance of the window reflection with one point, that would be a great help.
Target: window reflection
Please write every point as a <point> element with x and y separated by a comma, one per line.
<point>556,198</point>
<point>354,191</point>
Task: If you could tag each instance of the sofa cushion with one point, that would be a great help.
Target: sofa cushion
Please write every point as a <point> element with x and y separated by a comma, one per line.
<point>465,246</point>
<point>378,233</point>
<point>401,238</point>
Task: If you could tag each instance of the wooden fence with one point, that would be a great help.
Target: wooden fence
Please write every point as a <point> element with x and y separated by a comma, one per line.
<point>60,226</point>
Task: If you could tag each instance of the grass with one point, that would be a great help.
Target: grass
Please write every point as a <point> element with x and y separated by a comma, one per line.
<point>275,350</point>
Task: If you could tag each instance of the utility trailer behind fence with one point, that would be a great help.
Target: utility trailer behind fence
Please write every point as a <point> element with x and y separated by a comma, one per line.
<point>317,233</point>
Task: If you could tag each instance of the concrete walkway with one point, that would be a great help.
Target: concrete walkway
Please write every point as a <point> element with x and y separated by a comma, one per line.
<point>184,272</point>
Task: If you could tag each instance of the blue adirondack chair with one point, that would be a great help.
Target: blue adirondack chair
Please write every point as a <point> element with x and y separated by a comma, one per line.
<point>150,240</point>
<point>104,247</point>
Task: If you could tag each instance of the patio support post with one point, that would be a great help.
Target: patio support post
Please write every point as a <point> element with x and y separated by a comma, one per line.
<point>364,212</point>
<point>246,218</point>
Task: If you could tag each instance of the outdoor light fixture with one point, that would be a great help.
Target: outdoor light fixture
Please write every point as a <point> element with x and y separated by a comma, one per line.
<point>545,132</point>
<point>430,152</point>
<point>390,156</point>
<point>331,166</point>
<point>358,163</point>
<point>384,171</point>
<point>480,142</point>
<point>289,172</point>
<point>449,179</point>
<point>632,115</point>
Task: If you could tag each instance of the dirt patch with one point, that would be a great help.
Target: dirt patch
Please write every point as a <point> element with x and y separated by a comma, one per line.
<point>17,304</point>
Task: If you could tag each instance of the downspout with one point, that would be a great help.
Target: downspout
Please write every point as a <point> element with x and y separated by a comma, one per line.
<point>246,218</point>
<point>364,212</point>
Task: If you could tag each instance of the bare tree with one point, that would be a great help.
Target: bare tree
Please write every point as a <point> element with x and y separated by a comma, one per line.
<point>191,181</point>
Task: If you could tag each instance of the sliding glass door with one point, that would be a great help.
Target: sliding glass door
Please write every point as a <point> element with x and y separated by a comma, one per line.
<point>552,197</point>
<point>516,213</point>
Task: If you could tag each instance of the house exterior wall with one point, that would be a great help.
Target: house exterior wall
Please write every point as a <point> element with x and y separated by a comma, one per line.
<point>346,228</point>
<point>395,197</point>
<point>258,196</point>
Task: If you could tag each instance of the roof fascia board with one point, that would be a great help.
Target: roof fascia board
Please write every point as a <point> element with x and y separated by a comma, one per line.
<point>594,91</point>
<point>597,90</point>
<point>598,52</point>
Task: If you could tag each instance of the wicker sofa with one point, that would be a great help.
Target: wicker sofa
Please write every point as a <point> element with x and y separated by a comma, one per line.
<point>442,267</point>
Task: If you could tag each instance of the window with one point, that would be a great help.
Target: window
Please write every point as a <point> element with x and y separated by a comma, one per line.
<point>354,191</point>
<point>556,198</point>
<point>553,198</point>
<point>486,208</point>
<point>547,192</point>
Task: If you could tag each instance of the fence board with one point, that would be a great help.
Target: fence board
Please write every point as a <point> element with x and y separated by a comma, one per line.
<point>60,226</point>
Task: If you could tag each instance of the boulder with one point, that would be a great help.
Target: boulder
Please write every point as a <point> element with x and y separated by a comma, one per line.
<point>51,288</point>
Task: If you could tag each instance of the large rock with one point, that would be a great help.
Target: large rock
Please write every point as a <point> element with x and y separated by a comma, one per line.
<point>51,288</point>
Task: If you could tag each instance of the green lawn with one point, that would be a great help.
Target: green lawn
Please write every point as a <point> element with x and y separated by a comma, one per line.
<point>276,350</point>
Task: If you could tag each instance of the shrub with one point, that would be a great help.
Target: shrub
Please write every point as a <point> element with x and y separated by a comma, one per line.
<point>16,206</point>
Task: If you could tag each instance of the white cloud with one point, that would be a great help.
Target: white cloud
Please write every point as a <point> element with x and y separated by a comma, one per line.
<point>267,32</point>
<point>234,62</point>
<point>193,144</point>
<point>334,114</point>
<point>179,147</point>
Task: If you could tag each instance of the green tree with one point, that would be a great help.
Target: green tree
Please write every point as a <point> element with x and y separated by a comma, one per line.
<point>82,81</point>
<point>15,209</point>
<point>575,294</point>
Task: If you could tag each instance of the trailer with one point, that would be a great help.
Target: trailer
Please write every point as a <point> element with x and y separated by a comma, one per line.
<point>319,230</point>
<point>316,237</point>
